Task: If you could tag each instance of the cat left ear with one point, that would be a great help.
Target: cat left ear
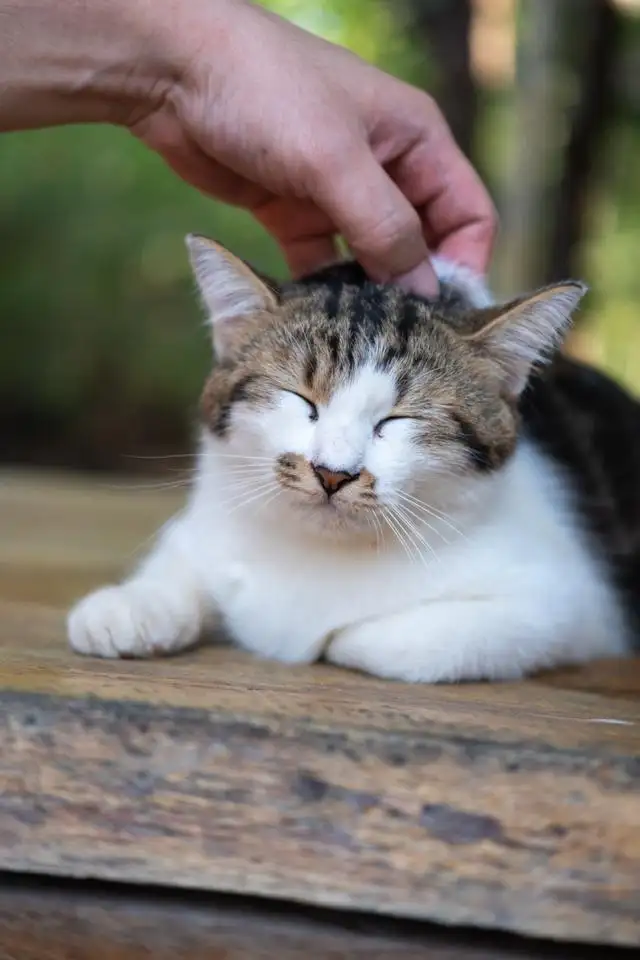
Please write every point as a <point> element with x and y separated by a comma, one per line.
<point>524,333</point>
<point>234,296</point>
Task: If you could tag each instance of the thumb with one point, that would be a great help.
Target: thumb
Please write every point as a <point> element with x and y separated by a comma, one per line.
<point>381,227</point>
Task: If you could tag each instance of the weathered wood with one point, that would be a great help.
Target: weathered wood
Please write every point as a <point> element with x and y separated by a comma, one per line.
<point>76,921</point>
<point>510,806</point>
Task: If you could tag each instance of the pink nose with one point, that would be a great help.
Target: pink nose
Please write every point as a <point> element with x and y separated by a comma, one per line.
<point>333,480</point>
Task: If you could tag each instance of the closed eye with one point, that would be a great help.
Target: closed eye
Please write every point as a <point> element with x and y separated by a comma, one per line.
<point>313,410</point>
<point>382,423</point>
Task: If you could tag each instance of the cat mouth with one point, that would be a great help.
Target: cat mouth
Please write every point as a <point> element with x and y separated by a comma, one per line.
<point>332,509</point>
<point>315,502</point>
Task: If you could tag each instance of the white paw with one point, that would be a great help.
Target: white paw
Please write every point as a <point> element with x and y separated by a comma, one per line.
<point>361,646</point>
<point>386,648</point>
<point>136,619</point>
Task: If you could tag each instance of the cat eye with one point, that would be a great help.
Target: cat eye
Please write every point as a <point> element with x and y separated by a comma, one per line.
<point>382,423</point>
<point>313,410</point>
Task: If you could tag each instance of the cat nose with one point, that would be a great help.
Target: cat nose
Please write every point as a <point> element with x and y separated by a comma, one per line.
<point>332,480</point>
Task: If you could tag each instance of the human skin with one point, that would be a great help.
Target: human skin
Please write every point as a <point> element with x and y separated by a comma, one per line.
<point>255,112</point>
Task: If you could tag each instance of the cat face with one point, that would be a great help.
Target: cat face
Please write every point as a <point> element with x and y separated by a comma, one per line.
<point>352,399</point>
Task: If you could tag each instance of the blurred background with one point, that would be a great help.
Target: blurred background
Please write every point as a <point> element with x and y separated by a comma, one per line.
<point>102,348</point>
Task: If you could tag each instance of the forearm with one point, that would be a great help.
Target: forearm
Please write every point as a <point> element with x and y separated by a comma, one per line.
<point>83,61</point>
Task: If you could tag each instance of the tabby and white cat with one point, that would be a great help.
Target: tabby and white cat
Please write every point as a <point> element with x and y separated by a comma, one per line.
<point>388,482</point>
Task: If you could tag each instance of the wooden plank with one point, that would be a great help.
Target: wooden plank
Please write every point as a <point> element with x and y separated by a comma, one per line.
<point>502,806</point>
<point>61,536</point>
<point>97,922</point>
<point>511,806</point>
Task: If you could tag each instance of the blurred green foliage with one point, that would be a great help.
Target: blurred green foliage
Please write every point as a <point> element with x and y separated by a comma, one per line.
<point>102,344</point>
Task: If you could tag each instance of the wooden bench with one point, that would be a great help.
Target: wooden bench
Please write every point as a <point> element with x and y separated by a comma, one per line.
<point>512,807</point>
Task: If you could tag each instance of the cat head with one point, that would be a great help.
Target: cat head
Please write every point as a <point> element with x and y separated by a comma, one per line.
<point>354,396</point>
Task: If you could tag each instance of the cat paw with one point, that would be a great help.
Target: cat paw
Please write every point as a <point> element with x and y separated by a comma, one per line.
<point>359,646</point>
<point>133,620</point>
<point>380,647</point>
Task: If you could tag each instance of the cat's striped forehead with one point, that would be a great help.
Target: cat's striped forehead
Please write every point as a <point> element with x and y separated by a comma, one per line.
<point>341,328</point>
<point>327,333</point>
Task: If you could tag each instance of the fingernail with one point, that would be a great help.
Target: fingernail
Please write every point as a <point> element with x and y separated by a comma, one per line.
<point>421,280</point>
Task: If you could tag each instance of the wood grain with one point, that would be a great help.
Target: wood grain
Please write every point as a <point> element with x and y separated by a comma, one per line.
<point>511,806</point>
<point>467,805</point>
<point>73,921</point>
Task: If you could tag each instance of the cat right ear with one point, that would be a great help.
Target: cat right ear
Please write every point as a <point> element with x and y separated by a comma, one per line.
<point>234,296</point>
<point>525,333</point>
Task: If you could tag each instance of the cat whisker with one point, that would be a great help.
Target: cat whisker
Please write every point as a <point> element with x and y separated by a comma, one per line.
<point>181,484</point>
<point>411,510</point>
<point>183,471</point>
<point>237,467</point>
<point>433,512</point>
<point>398,532</point>
<point>411,526</point>
<point>408,532</point>
<point>266,503</point>
<point>248,489</point>
<point>214,455</point>
<point>244,472</point>
<point>257,496</point>
<point>415,552</point>
<point>245,485</point>
<point>374,521</point>
<point>163,456</point>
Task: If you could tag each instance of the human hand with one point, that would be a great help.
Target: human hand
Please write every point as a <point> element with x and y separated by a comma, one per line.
<point>258,113</point>
<point>315,143</point>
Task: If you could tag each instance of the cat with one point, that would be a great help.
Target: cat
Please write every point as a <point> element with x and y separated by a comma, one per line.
<point>423,490</point>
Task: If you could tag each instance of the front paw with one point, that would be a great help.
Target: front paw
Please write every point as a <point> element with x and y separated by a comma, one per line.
<point>387,648</point>
<point>359,646</point>
<point>136,619</point>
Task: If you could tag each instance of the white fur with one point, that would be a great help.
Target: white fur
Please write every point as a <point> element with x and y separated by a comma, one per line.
<point>478,576</point>
<point>472,286</point>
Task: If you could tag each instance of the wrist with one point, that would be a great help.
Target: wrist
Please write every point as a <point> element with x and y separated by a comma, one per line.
<point>87,61</point>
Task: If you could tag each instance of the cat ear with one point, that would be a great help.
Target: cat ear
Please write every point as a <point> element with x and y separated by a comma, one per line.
<point>524,333</point>
<point>234,296</point>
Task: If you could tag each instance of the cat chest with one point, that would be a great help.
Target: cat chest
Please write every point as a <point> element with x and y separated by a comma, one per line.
<point>284,604</point>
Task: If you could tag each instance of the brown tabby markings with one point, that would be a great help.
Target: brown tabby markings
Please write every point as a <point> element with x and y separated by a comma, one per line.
<point>322,332</point>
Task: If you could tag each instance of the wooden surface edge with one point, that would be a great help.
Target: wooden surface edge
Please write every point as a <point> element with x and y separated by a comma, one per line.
<point>40,919</point>
<point>540,841</point>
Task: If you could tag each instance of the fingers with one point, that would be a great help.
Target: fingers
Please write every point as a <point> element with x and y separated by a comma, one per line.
<point>308,254</point>
<point>305,234</point>
<point>380,224</point>
<point>459,220</point>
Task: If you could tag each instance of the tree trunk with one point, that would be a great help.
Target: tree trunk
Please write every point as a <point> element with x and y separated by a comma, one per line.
<point>444,26</point>
<point>535,144</point>
<point>562,102</point>
<point>592,115</point>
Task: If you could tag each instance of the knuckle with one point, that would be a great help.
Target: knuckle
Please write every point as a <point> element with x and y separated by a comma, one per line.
<point>392,225</point>
<point>389,235</point>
